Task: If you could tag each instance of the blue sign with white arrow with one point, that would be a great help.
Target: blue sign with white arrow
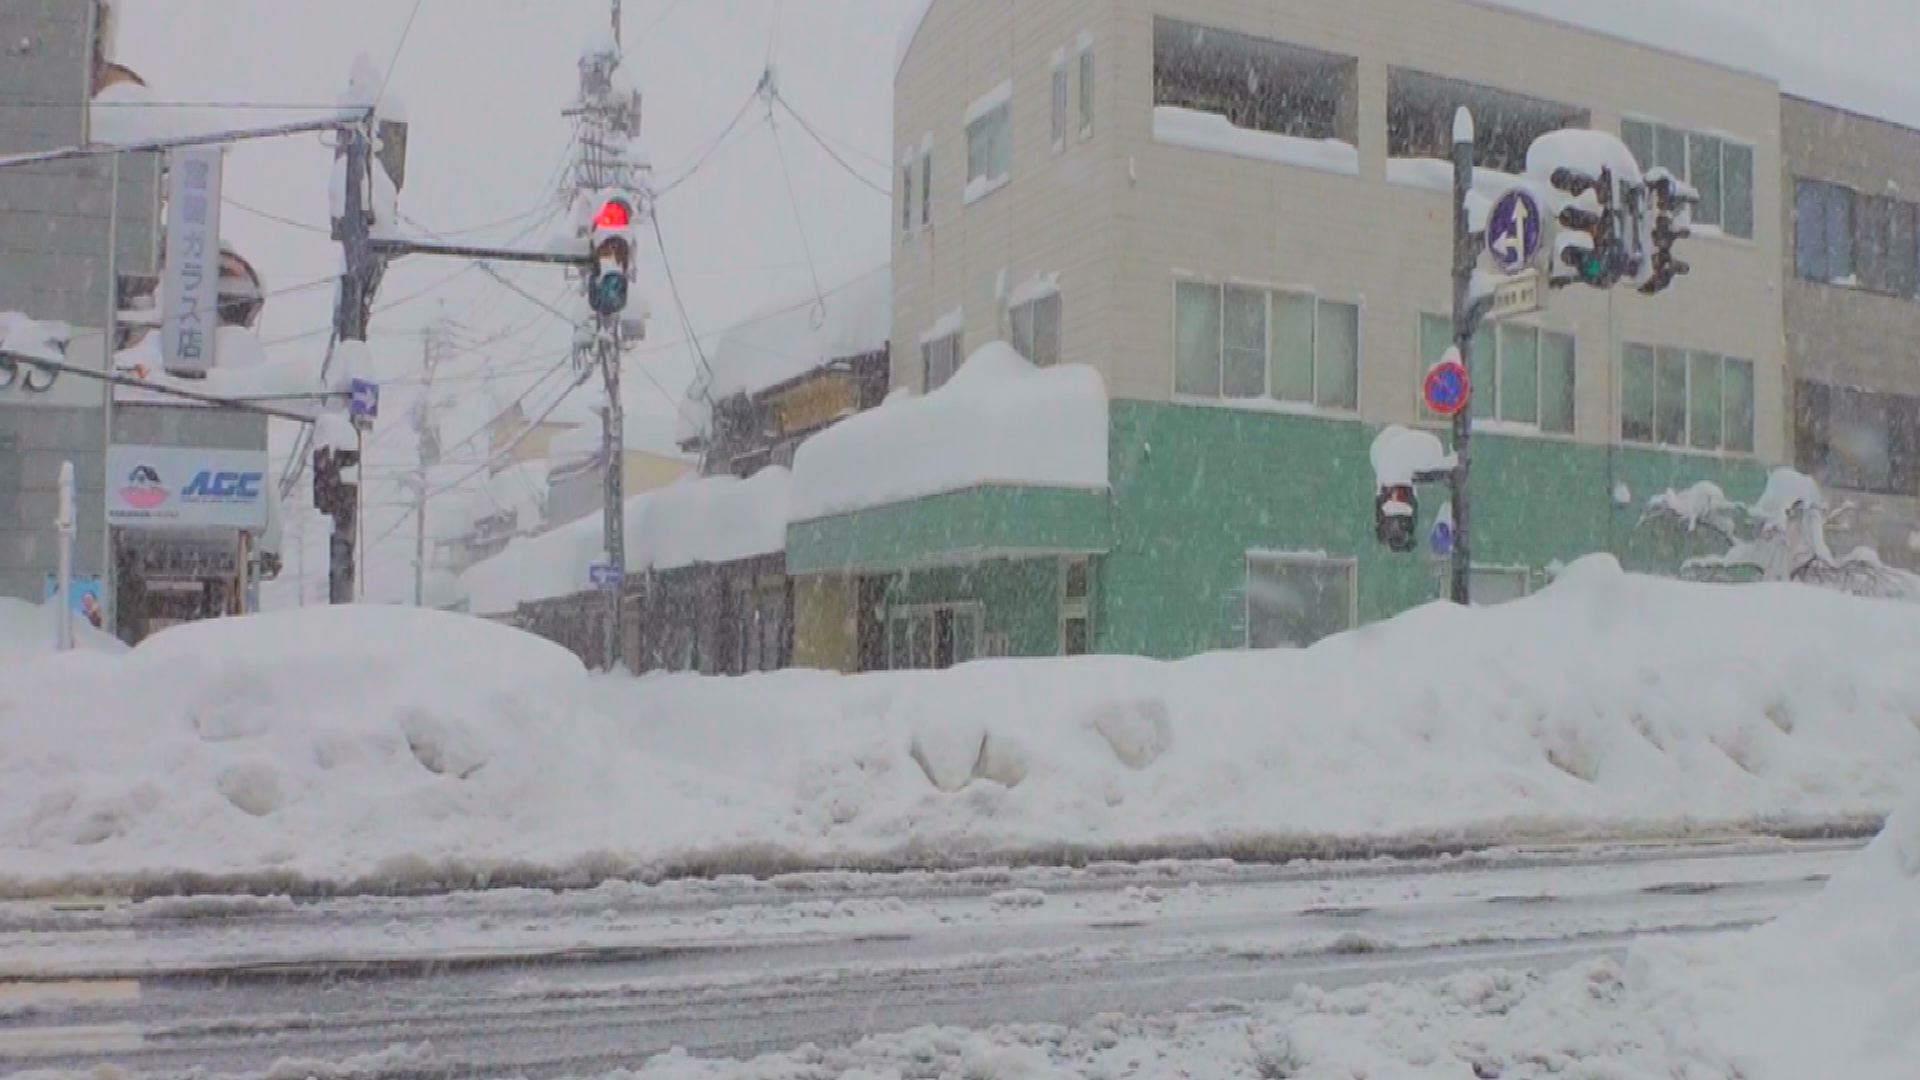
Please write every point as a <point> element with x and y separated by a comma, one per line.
<point>603,575</point>
<point>363,403</point>
<point>1514,230</point>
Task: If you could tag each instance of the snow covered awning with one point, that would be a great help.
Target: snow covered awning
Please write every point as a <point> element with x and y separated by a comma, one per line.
<point>716,519</point>
<point>1005,459</point>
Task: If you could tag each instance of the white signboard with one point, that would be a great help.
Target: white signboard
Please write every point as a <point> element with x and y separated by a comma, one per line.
<point>1518,295</point>
<point>172,487</point>
<point>190,287</point>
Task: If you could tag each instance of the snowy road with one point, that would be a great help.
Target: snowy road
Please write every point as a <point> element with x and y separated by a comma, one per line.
<point>537,984</point>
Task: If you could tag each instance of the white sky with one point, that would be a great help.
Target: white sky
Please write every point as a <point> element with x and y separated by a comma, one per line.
<point>484,81</point>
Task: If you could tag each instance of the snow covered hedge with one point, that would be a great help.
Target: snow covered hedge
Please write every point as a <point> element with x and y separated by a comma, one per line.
<point>393,749</point>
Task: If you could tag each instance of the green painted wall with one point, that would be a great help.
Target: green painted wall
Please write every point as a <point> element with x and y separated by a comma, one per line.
<point>947,528</point>
<point>1021,598</point>
<point>1195,488</point>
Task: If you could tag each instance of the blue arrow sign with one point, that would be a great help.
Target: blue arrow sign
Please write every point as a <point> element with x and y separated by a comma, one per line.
<point>1514,231</point>
<point>603,575</point>
<point>1441,539</point>
<point>364,402</point>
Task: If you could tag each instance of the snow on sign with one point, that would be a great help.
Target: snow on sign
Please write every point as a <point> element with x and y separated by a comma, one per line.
<point>1448,385</point>
<point>1514,230</point>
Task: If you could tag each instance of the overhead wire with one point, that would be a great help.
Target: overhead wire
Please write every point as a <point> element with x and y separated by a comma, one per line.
<point>799,222</point>
<point>399,48</point>
<point>713,147</point>
<point>822,142</point>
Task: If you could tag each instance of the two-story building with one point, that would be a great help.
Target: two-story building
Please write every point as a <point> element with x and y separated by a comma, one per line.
<point>1236,213</point>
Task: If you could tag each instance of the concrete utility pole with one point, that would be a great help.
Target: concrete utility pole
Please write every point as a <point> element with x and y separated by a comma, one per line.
<point>606,123</point>
<point>336,491</point>
<point>432,346</point>
<point>1465,255</point>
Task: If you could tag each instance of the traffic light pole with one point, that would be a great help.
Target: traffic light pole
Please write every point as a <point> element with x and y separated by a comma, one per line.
<point>350,324</point>
<point>613,448</point>
<point>1464,257</point>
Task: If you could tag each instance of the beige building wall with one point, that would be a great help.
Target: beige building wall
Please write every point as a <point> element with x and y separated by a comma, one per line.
<point>825,623</point>
<point>646,471</point>
<point>1120,218</point>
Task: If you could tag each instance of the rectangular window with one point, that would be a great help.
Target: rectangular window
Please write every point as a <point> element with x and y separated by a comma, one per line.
<point>1421,108</point>
<point>1857,440</point>
<point>1705,401</point>
<point>1336,352</point>
<point>1256,83</point>
<point>1244,343</point>
<point>1823,232</point>
<point>926,186</point>
<point>1637,394</point>
<point>1196,346</point>
<point>1520,374</point>
<point>1638,135</point>
<point>1086,92</point>
<point>1490,586</point>
<point>1737,415</point>
<point>906,198</point>
<point>1703,166</point>
<point>989,150</point>
<point>1290,361</point>
<point>1293,602</point>
<point>1483,373</point>
<point>939,359</point>
<point>1557,383</point>
<point>1076,608</point>
<point>1670,407</point>
<point>1036,330</point>
<point>1670,151</point>
<point>1060,106</point>
<point>933,636</point>
<point>1737,176</point>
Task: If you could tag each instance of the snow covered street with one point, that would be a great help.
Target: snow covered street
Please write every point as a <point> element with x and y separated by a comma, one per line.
<point>527,983</point>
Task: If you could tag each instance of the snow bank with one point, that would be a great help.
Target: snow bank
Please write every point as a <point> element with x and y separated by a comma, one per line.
<point>392,749</point>
<point>27,633</point>
<point>1000,420</point>
<point>1198,130</point>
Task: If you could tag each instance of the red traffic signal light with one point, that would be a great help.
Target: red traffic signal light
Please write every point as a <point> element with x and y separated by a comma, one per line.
<point>614,214</point>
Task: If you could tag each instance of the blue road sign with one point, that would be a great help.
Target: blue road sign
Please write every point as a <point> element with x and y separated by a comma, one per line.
<point>603,575</point>
<point>1514,230</point>
<point>1441,538</point>
<point>1447,386</point>
<point>364,402</point>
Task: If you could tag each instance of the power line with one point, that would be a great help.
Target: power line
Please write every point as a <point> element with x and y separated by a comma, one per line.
<point>674,285</point>
<point>388,306</point>
<point>289,222</point>
<point>822,141</point>
<point>263,106</point>
<point>397,50</point>
<point>799,219</point>
<point>712,147</point>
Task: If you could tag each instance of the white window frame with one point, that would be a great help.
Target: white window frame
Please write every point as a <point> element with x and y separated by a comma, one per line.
<point>1265,401</point>
<point>1031,308</point>
<point>981,183</point>
<point>1685,445</point>
<point>927,384</point>
<point>1061,99</point>
<point>973,610</point>
<point>1072,608</point>
<point>1297,558</point>
<point>1716,231</point>
<point>1087,87</point>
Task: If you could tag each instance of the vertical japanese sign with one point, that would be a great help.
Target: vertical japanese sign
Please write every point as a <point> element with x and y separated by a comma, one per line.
<point>191,286</point>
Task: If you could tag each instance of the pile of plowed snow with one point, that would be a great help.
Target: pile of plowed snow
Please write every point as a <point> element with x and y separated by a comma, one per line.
<point>389,748</point>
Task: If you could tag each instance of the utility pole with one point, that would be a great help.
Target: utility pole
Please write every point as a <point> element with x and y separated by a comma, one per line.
<point>336,490</point>
<point>1465,255</point>
<point>432,344</point>
<point>606,123</point>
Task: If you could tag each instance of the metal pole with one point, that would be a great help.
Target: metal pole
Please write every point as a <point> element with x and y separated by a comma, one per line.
<point>613,447</point>
<point>1464,258</point>
<point>429,359</point>
<point>344,120</point>
<point>109,574</point>
<point>67,526</point>
<point>360,513</point>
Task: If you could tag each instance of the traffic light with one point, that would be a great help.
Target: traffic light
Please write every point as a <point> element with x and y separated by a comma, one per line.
<point>1589,252</point>
<point>1670,201</point>
<point>1394,511</point>
<point>612,272</point>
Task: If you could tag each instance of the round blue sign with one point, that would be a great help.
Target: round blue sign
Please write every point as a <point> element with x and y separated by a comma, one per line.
<point>1514,229</point>
<point>1447,387</point>
<point>1442,537</point>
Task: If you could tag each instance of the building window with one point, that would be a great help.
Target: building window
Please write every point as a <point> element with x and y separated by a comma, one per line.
<point>989,144</point>
<point>1823,232</point>
<point>933,636</point>
<point>926,184</point>
<point>1490,586</point>
<point>1721,170</point>
<point>1856,439</point>
<point>1257,84</point>
<point>1520,374</point>
<point>1036,329</point>
<point>1294,601</point>
<point>1086,89</point>
<point>939,359</point>
<point>1672,397</point>
<point>1059,103</point>
<point>1245,343</point>
<point>1421,108</point>
<point>906,198</point>
<point>1076,606</point>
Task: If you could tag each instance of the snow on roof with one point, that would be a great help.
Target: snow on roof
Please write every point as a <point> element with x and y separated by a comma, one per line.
<point>712,519</point>
<point>1212,132</point>
<point>791,337</point>
<point>999,421</point>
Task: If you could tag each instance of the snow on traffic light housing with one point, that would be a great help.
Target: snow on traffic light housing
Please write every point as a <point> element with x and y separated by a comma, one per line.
<point>1395,510</point>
